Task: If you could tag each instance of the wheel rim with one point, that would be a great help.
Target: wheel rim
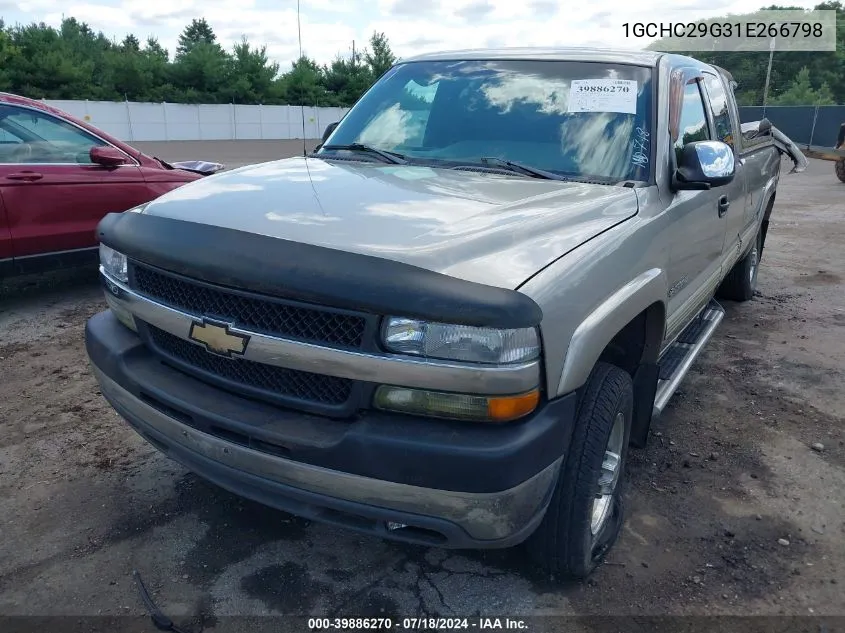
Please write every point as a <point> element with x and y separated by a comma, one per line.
<point>752,268</point>
<point>611,467</point>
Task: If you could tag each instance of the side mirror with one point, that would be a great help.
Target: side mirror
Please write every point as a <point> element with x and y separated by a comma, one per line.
<point>107,156</point>
<point>765,127</point>
<point>326,134</point>
<point>703,165</point>
<point>328,131</point>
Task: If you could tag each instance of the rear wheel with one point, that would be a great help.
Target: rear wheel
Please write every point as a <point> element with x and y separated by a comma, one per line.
<point>741,282</point>
<point>840,169</point>
<point>585,514</point>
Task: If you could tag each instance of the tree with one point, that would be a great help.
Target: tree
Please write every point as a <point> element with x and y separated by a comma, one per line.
<point>9,54</point>
<point>381,57</point>
<point>201,74</point>
<point>53,64</point>
<point>345,80</point>
<point>304,83</point>
<point>75,62</point>
<point>154,50</point>
<point>800,92</point>
<point>200,69</point>
<point>197,32</point>
<point>131,44</point>
<point>252,74</point>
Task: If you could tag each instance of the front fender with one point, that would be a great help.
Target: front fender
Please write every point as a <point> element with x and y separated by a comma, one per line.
<point>766,198</point>
<point>602,324</point>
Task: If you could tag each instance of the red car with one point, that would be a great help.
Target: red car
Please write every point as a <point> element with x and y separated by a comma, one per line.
<point>59,176</point>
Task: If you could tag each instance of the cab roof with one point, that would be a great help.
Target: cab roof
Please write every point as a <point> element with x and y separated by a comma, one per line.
<point>608,55</point>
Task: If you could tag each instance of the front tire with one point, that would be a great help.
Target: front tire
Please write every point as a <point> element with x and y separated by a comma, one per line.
<point>741,282</point>
<point>585,513</point>
<point>840,169</point>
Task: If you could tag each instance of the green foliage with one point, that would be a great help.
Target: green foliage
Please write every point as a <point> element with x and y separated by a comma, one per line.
<point>253,74</point>
<point>381,58</point>
<point>801,92</point>
<point>197,32</point>
<point>346,79</point>
<point>74,62</point>
<point>303,85</point>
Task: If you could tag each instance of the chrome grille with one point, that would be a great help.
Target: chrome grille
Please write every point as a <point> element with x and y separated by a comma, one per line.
<point>249,311</point>
<point>276,382</point>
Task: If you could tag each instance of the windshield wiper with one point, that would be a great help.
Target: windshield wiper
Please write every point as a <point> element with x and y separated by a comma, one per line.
<point>394,158</point>
<point>520,168</point>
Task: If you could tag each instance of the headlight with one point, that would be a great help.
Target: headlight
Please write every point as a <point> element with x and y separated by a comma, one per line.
<point>461,342</point>
<point>114,263</point>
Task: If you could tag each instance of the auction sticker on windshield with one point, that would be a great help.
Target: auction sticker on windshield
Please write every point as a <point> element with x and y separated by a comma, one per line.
<point>603,95</point>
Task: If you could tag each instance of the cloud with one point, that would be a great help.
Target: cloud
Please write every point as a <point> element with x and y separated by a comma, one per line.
<point>544,7</point>
<point>496,41</point>
<point>475,10</point>
<point>602,18</point>
<point>409,7</point>
<point>146,19</point>
<point>423,42</point>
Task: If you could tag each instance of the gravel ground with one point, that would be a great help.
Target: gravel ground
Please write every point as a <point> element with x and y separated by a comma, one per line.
<point>730,509</point>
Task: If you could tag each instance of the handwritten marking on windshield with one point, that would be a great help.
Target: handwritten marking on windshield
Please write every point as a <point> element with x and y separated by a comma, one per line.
<point>639,157</point>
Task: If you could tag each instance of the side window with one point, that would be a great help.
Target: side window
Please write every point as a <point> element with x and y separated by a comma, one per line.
<point>28,136</point>
<point>719,105</point>
<point>693,121</point>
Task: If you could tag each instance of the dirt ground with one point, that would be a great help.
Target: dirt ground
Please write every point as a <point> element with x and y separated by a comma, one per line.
<point>728,478</point>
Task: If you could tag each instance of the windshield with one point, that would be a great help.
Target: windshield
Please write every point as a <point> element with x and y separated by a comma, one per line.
<point>577,119</point>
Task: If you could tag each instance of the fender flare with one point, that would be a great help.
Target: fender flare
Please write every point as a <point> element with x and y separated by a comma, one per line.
<point>769,192</point>
<point>594,333</point>
<point>766,206</point>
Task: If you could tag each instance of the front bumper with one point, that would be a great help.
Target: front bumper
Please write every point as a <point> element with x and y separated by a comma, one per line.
<point>451,484</point>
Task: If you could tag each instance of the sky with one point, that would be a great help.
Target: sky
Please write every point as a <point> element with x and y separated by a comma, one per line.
<point>412,26</point>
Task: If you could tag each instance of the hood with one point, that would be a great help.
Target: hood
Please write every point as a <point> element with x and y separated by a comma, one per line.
<point>482,227</point>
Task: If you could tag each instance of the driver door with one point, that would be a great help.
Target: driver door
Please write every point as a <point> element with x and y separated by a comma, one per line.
<point>698,222</point>
<point>54,195</point>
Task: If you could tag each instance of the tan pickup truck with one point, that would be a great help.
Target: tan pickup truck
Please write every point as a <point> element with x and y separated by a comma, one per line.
<point>447,324</point>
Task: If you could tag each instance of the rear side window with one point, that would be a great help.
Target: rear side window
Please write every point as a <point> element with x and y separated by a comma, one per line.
<point>693,120</point>
<point>719,105</point>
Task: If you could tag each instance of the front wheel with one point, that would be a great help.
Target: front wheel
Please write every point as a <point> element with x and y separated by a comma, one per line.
<point>585,513</point>
<point>840,169</point>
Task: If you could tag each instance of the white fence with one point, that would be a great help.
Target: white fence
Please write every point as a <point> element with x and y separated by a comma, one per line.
<point>135,121</point>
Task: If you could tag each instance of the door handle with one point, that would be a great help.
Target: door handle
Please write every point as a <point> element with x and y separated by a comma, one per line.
<point>27,176</point>
<point>724,203</point>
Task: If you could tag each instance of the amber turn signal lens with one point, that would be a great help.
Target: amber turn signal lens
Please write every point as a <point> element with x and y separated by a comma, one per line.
<point>455,406</point>
<point>512,407</point>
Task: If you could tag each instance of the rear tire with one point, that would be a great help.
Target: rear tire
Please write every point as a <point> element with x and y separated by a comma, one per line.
<point>840,169</point>
<point>741,282</point>
<point>585,514</point>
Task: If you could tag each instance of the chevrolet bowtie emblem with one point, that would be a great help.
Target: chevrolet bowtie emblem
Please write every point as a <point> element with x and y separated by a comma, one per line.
<point>217,338</point>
